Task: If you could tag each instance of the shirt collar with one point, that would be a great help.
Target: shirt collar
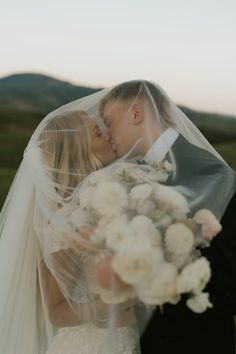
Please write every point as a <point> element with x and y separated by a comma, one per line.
<point>161,146</point>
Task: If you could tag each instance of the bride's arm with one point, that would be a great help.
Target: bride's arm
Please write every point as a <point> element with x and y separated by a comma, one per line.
<point>63,315</point>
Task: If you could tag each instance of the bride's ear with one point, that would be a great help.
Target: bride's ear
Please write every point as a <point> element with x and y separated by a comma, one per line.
<point>138,113</point>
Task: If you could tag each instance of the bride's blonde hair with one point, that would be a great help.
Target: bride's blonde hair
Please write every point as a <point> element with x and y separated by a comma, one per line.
<point>66,145</point>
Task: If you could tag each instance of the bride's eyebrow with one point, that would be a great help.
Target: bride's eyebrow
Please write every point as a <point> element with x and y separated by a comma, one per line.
<point>105,120</point>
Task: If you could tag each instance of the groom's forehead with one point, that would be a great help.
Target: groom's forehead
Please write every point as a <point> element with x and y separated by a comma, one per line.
<point>113,107</point>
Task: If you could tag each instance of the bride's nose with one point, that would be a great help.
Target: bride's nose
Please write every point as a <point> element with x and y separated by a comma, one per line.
<point>107,136</point>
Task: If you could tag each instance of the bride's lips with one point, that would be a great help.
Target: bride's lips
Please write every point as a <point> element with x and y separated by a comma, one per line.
<point>112,146</point>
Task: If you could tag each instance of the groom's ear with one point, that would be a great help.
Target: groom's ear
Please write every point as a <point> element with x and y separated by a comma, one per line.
<point>138,113</point>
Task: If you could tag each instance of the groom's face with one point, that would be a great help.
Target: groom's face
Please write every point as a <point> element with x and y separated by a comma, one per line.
<point>118,119</point>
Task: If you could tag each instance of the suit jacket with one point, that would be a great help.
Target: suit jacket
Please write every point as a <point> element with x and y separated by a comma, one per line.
<point>177,329</point>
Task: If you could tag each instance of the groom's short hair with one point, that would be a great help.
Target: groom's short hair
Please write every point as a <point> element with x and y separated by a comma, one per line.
<point>130,90</point>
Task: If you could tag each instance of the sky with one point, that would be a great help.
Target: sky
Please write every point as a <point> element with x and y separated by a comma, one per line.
<point>188,47</point>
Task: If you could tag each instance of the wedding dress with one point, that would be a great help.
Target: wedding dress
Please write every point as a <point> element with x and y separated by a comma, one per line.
<point>89,338</point>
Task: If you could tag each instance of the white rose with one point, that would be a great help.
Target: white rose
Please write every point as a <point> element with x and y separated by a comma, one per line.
<point>168,166</point>
<point>140,192</point>
<point>167,195</point>
<point>199,303</point>
<point>109,199</point>
<point>78,218</point>
<point>86,197</point>
<point>115,234</point>
<point>179,239</point>
<point>109,226</point>
<point>144,228</point>
<point>121,168</point>
<point>98,177</point>
<point>138,174</point>
<point>144,207</point>
<point>194,277</point>
<point>162,176</point>
<point>133,267</point>
<point>210,225</point>
<point>160,287</point>
<point>58,237</point>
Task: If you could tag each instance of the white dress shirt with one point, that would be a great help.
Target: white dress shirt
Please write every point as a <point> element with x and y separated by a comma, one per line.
<point>162,145</point>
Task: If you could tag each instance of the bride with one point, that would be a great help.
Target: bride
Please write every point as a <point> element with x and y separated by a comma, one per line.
<point>48,301</point>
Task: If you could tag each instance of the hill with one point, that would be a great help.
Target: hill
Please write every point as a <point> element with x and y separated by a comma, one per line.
<point>37,93</point>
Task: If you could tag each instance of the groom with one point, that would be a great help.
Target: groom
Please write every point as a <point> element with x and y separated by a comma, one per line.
<point>138,118</point>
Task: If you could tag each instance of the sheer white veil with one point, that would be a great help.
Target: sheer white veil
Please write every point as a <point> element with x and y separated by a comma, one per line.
<point>44,186</point>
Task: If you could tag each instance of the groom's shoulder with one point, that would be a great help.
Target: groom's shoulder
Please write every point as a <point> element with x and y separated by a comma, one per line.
<point>186,151</point>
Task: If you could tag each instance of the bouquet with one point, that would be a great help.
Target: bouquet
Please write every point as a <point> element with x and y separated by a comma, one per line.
<point>142,227</point>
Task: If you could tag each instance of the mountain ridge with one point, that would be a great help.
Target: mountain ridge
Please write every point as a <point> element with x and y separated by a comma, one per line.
<point>38,92</point>
<point>25,98</point>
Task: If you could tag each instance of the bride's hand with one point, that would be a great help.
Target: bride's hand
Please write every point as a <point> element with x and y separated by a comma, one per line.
<point>84,242</point>
<point>106,277</point>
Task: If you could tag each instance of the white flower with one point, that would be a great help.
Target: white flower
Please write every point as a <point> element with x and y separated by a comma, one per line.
<point>78,218</point>
<point>138,174</point>
<point>109,199</point>
<point>179,239</point>
<point>167,195</point>
<point>140,192</point>
<point>144,207</point>
<point>116,233</point>
<point>109,226</point>
<point>144,228</point>
<point>58,237</point>
<point>121,168</point>
<point>168,166</point>
<point>210,225</point>
<point>161,176</point>
<point>160,287</point>
<point>98,177</point>
<point>133,266</point>
<point>194,277</point>
<point>199,303</point>
<point>86,197</point>
<point>98,237</point>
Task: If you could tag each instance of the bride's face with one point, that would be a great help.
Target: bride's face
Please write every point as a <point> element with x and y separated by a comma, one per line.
<point>119,120</point>
<point>100,143</point>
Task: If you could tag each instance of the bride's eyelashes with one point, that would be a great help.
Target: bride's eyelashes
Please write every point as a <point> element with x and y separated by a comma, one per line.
<point>107,123</point>
<point>98,134</point>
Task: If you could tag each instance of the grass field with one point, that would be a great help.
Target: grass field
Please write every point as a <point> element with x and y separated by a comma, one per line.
<point>6,177</point>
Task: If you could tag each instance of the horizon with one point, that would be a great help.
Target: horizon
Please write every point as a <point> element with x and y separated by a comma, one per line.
<point>188,50</point>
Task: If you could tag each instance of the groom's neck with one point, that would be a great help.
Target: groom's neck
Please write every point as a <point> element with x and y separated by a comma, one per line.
<point>149,139</point>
